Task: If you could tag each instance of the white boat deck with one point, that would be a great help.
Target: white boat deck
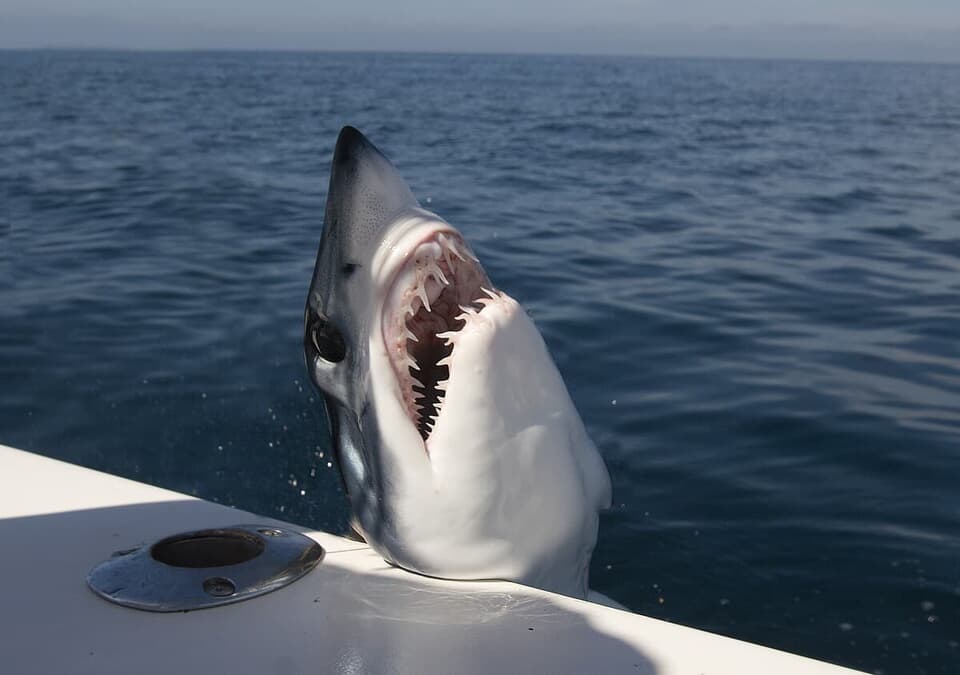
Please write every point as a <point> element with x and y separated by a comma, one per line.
<point>352,614</point>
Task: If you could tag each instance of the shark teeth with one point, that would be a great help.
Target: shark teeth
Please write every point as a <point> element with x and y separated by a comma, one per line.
<point>422,294</point>
<point>449,247</point>
<point>440,290</point>
<point>445,249</point>
<point>438,274</point>
<point>456,248</point>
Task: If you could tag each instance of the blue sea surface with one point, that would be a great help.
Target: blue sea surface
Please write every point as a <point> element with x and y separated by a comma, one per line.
<point>748,273</point>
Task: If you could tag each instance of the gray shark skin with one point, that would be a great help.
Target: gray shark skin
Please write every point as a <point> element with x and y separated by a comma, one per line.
<point>364,190</point>
<point>459,448</point>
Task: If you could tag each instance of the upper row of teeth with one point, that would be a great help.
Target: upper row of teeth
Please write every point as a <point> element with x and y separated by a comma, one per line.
<point>450,245</point>
<point>449,249</point>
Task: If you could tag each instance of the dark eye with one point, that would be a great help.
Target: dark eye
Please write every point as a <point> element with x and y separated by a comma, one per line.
<point>326,340</point>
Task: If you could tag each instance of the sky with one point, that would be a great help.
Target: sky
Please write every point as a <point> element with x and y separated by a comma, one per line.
<point>898,30</point>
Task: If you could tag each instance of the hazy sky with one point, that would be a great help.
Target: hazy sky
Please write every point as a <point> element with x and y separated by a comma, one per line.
<point>859,29</point>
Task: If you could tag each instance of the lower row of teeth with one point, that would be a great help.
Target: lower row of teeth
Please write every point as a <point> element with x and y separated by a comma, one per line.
<point>427,420</point>
<point>449,337</point>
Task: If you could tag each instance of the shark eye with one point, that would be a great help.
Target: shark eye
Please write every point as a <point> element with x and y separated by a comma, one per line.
<point>326,340</point>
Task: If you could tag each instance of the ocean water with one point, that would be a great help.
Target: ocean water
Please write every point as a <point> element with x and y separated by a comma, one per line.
<point>748,274</point>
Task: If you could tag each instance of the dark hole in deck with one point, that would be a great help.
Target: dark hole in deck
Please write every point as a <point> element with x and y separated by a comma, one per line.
<point>207,548</point>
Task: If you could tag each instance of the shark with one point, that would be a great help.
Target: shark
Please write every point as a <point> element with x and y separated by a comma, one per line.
<point>459,448</point>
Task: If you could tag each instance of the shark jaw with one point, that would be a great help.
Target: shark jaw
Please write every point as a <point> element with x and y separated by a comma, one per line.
<point>436,294</point>
<point>460,450</point>
<point>491,472</point>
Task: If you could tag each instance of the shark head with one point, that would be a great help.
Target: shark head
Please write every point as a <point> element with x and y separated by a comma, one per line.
<point>460,450</point>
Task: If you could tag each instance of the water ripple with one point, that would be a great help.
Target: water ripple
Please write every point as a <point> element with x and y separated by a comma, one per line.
<point>748,273</point>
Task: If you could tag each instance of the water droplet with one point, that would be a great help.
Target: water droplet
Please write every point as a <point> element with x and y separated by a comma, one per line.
<point>846,627</point>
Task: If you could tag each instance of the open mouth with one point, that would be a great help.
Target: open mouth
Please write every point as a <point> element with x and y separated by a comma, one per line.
<point>433,295</point>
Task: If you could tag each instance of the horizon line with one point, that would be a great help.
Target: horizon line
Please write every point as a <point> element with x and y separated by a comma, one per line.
<point>443,52</point>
